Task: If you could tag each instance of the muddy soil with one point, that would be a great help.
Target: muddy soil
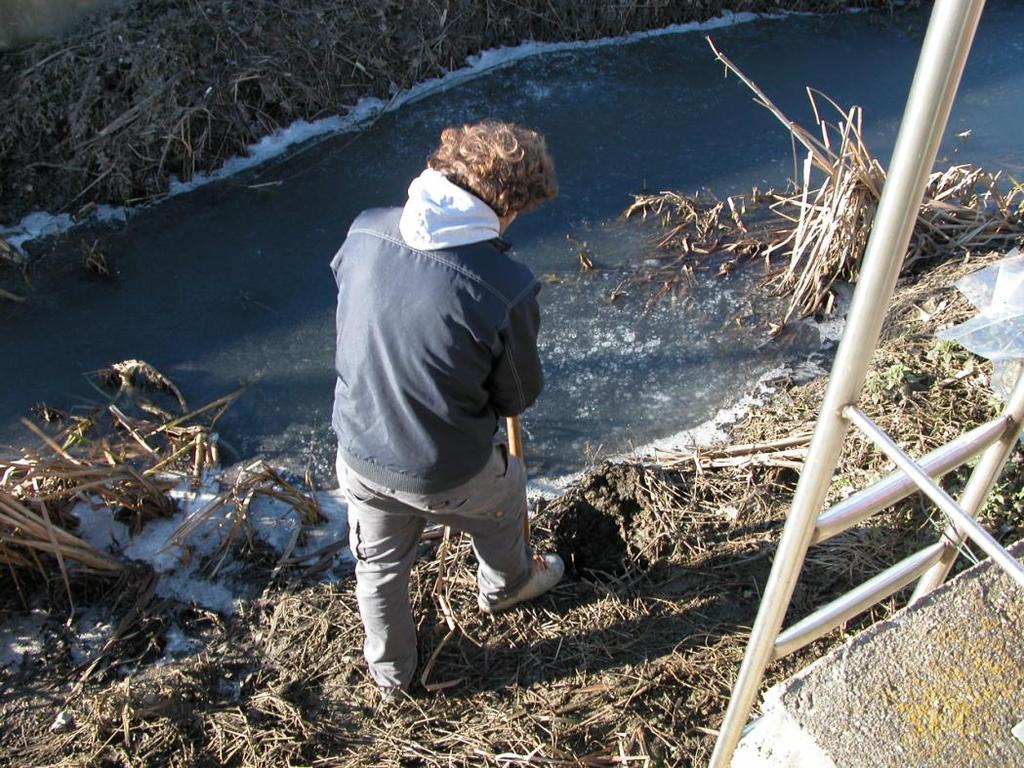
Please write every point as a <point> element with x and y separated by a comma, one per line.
<point>608,522</point>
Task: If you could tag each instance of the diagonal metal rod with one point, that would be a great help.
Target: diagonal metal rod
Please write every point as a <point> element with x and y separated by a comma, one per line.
<point>857,600</point>
<point>943,55</point>
<point>984,476</point>
<point>931,489</point>
<point>897,486</point>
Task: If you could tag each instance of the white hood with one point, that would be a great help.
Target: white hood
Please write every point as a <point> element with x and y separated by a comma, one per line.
<point>440,214</point>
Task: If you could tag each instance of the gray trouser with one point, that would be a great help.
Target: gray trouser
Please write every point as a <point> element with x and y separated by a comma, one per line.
<point>384,529</point>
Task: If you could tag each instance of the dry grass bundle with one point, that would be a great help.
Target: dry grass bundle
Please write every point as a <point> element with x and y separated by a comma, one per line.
<point>62,481</point>
<point>695,233</point>
<point>36,495</point>
<point>254,480</point>
<point>9,254</point>
<point>106,458</point>
<point>822,227</point>
<point>127,456</point>
<point>611,668</point>
<point>781,452</point>
<point>28,531</point>
<point>260,479</point>
<point>130,375</point>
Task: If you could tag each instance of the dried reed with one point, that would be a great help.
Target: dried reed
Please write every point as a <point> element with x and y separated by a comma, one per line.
<point>126,456</point>
<point>107,458</point>
<point>28,528</point>
<point>821,227</point>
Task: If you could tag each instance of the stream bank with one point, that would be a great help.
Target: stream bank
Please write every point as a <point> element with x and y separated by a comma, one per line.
<point>631,656</point>
<point>112,111</point>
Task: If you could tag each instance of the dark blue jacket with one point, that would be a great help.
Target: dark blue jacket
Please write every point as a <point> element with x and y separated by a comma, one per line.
<point>432,347</point>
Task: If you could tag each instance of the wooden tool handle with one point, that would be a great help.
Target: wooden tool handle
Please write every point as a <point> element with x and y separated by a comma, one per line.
<point>515,447</point>
<point>515,436</point>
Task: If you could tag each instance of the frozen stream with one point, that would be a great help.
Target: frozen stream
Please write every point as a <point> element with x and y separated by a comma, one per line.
<point>229,284</point>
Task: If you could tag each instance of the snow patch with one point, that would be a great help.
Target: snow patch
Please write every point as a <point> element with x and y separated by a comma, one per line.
<point>154,544</point>
<point>97,526</point>
<point>181,564</point>
<point>279,526</point>
<point>177,564</point>
<point>36,225</point>
<point>185,586</point>
<point>832,328</point>
<point>178,644</point>
<point>91,634</point>
<point>21,637</point>
<point>277,143</point>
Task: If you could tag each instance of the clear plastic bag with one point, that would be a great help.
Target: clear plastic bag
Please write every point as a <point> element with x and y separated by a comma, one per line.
<point>997,331</point>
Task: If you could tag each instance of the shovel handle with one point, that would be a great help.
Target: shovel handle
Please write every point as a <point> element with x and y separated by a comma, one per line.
<point>515,447</point>
<point>515,436</point>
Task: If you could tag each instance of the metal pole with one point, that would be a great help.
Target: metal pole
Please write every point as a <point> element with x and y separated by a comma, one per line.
<point>984,476</point>
<point>857,600</point>
<point>943,54</point>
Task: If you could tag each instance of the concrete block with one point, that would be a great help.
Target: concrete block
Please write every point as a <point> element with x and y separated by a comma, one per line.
<point>939,685</point>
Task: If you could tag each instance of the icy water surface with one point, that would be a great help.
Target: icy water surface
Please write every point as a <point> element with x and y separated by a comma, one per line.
<point>230,284</point>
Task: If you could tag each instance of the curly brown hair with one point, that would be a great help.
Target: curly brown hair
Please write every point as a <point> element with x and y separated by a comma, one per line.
<point>504,164</point>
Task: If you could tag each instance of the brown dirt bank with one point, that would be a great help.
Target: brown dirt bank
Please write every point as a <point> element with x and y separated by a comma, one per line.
<point>109,112</point>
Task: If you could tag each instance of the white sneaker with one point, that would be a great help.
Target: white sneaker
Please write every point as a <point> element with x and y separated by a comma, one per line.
<point>547,572</point>
<point>390,696</point>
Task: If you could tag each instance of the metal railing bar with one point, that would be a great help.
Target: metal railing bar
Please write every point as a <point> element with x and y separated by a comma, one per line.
<point>984,476</point>
<point>944,52</point>
<point>897,486</point>
<point>857,600</point>
<point>942,500</point>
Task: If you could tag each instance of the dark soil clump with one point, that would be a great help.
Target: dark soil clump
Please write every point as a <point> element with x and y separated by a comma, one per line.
<point>593,523</point>
<point>609,521</point>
